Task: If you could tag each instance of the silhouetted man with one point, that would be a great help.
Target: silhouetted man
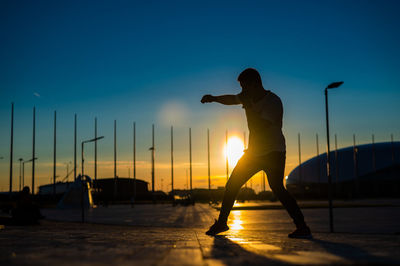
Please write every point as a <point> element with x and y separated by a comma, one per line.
<point>26,211</point>
<point>266,150</point>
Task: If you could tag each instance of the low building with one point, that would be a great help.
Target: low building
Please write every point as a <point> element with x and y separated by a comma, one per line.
<point>120,188</point>
<point>60,188</point>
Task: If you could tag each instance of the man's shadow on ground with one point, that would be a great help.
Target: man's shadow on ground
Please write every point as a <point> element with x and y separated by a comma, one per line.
<point>231,253</point>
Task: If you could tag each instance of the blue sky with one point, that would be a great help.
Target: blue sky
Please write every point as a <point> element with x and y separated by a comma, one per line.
<point>151,62</point>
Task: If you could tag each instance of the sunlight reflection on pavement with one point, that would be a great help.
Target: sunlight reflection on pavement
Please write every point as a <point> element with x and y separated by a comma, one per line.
<point>263,242</point>
<point>272,251</point>
<point>235,223</point>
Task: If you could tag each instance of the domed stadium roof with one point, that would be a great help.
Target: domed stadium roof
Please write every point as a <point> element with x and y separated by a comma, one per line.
<point>370,158</point>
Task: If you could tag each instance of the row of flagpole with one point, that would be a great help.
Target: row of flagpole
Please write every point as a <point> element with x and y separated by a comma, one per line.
<point>152,148</point>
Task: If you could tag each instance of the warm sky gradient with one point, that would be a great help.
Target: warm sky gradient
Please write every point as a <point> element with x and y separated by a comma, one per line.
<point>150,62</point>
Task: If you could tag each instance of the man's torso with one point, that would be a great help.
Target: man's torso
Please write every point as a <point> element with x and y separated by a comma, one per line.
<point>264,119</point>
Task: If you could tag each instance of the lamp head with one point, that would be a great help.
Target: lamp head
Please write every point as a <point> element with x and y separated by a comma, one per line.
<point>334,85</point>
<point>31,160</point>
<point>95,139</point>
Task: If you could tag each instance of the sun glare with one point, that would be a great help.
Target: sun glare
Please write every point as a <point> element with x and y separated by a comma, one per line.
<point>236,222</point>
<point>234,150</point>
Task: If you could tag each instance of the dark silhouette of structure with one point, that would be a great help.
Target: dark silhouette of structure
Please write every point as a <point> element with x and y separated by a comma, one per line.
<point>126,189</point>
<point>369,170</point>
<point>25,212</point>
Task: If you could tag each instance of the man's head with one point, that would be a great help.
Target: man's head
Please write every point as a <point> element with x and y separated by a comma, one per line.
<point>26,190</point>
<point>250,80</point>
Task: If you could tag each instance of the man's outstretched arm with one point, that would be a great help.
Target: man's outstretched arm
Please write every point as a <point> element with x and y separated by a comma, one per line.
<point>223,99</point>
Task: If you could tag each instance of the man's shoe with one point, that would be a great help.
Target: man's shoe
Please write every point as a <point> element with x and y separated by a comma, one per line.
<point>217,228</point>
<point>303,232</point>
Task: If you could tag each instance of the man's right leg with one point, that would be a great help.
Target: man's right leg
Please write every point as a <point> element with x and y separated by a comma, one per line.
<point>243,171</point>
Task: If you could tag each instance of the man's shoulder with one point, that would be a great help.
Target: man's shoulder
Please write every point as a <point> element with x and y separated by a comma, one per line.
<point>273,97</point>
<point>272,94</point>
<point>243,99</point>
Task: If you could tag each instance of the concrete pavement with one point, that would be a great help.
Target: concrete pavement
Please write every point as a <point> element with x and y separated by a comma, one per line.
<point>166,235</point>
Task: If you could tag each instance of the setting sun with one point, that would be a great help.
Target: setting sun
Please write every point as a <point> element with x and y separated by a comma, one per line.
<point>234,150</point>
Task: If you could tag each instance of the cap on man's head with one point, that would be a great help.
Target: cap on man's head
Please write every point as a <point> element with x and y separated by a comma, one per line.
<point>250,75</point>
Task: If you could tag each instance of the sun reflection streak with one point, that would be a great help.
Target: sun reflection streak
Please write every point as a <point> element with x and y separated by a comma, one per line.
<point>236,204</point>
<point>236,222</point>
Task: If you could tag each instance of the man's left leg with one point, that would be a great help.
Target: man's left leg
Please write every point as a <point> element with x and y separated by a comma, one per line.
<point>275,167</point>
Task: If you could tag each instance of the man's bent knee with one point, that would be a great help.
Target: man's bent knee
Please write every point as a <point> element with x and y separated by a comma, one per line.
<point>234,183</point>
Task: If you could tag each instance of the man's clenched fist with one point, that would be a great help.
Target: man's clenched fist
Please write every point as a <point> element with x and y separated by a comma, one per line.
<point>207,98</point>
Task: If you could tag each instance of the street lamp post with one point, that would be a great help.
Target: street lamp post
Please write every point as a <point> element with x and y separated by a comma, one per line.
<point>208,160</point>
<point>23,169</point>
<point>23,174</point>
<point>20,170</point>
<point>87,141</point>
<point>134,160</point>
<point>83,173</point>
<point>172,160</point>
<point>328,169</point>
<point>190,160</point>
<point>66,176</point>
<point>226,155</point>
